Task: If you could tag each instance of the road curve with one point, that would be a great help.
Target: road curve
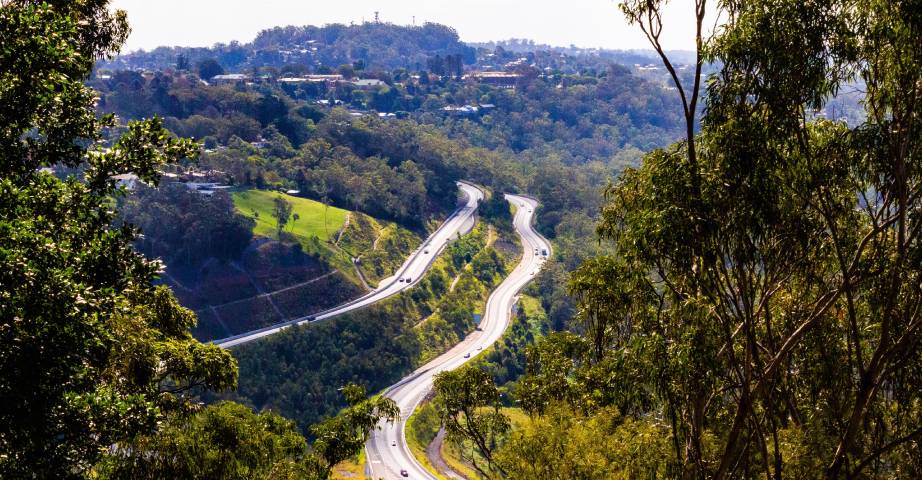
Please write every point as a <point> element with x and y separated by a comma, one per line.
<point>460,222</point>
<point>387,452</point>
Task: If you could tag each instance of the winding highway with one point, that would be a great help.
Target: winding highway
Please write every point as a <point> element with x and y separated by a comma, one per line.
<point>460,222</point>
<point>387,452</point>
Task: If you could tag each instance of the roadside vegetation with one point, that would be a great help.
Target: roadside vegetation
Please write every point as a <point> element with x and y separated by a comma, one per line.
<point>506,362</point>
<point>295,372</point>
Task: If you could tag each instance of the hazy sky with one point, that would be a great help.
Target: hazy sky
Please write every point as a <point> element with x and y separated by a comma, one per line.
<point>584,23</point>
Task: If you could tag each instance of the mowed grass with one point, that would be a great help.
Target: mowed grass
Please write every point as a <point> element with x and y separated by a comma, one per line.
<point>259,205</point>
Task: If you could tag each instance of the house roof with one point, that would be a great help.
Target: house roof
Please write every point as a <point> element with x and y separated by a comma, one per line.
<point>368,82</point>
<point>230,76</point>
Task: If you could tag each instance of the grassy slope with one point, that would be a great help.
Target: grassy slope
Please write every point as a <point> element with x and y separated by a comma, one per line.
<point>311,215</point>
<point>382,247</point>
<point>317,228</point>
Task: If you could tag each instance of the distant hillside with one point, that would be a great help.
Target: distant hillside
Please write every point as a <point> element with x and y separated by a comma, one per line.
<point>226,260</point>
<point>623,57</point>
<point>375,45</point>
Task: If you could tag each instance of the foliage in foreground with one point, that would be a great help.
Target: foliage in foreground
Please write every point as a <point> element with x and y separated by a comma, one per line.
<point>98,368</point>
<point>227,440</point>
<point>93,353</point>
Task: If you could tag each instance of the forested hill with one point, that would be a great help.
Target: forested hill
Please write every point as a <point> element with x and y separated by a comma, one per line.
<point>375,45</point>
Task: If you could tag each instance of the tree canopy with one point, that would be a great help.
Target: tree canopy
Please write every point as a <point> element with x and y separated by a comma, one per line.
<point>93,352</point>
<point>98,370</point>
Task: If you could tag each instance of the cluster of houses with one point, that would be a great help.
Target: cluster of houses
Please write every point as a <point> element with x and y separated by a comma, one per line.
<point>329,80</point>
<point>500,79</point>
<point>468,110</point>
<point>495,78</point>
<point>204,182</point>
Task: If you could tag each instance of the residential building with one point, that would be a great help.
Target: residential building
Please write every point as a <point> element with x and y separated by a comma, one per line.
<point>230,79</point>
<point>496,79</point>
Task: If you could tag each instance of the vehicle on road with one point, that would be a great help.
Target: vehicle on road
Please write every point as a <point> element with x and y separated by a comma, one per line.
<point>408,279</point>
<point>393,443</point>
<point>495,318</point>
<point>456,225</point>
<point>426,251</point>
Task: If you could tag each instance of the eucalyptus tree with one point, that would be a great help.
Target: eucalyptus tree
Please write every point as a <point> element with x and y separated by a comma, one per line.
<point>782,247</point>
<point>467,402</point>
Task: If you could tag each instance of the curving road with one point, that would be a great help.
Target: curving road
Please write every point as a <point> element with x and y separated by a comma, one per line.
<point>387,452</point>
<point>460,222</point>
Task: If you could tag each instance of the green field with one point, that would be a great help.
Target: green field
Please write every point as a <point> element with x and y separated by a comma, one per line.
<point>258,205</point>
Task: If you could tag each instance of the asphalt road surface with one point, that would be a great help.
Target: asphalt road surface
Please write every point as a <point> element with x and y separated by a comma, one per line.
<point>460,222</point>
<point>387,452</point>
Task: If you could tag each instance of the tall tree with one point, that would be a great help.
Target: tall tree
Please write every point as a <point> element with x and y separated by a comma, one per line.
<point>98,372</point>
<point>208,68</point>
<point>781,246</point>
<point>467,402</point>
<point>281,210</point>
<point>762,315</point>
<point>93,352</point>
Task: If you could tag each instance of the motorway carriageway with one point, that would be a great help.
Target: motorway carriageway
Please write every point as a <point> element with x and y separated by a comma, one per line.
<point>387,452</point>
<point>459,223</point>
